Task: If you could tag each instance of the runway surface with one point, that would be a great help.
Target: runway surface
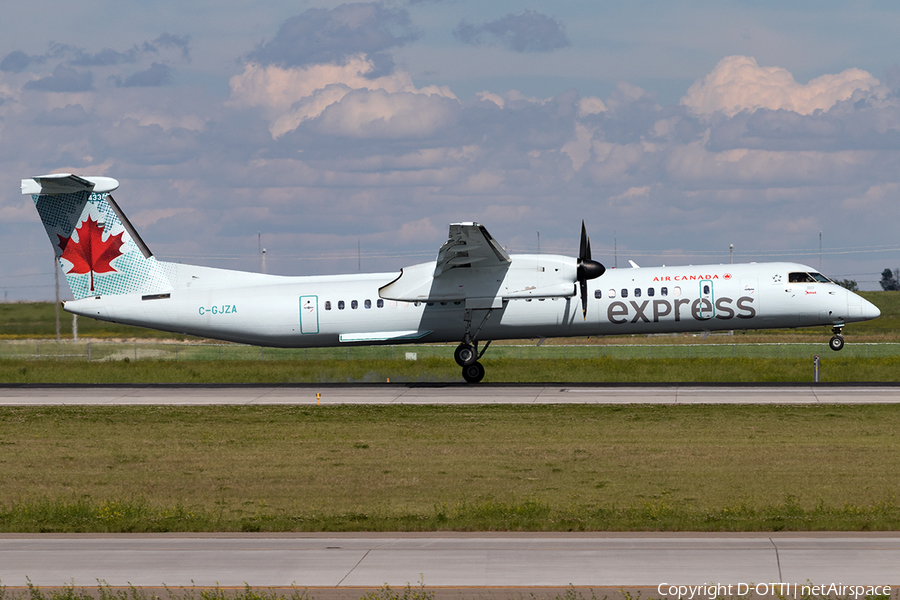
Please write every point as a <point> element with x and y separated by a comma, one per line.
<point>456,560</point>
<point>561,393</point>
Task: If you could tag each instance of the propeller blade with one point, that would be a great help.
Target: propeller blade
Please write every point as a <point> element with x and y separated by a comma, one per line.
<point>584,242</point>
<point>587,268</point>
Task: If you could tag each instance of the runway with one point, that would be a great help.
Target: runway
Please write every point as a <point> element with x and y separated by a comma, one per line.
<point>458,560</point>
<point>560,393</point>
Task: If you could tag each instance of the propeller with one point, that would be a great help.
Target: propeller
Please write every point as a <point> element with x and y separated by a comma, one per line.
<point>587,268</point>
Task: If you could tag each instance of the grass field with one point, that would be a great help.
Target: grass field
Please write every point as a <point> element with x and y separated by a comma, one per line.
<point>703,468</point>
<point>833,368</point>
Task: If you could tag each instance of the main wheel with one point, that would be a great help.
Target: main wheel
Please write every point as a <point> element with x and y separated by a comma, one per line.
<point>836,342</point>
<point>473,373</point>
<point>465,355</point>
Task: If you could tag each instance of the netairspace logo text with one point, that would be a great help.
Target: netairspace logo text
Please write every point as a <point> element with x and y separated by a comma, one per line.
<point>792,590</point>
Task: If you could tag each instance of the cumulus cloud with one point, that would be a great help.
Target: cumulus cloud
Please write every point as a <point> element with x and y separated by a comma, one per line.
<point>15,62</point>
<point>527,32</point>
<point>377,113</point>
<point>320,36</point>
<point>74,56</point>
<point>738,83</point>
<point>291,96</point>
<point>63,79</point>
<point>313,154</point>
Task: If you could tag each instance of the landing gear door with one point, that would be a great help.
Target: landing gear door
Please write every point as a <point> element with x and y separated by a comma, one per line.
<point>707,301</point>
<point>309,314</point>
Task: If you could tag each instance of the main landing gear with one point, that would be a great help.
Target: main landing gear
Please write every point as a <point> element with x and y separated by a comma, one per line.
<point>467,356</point>
<point>837,340</point>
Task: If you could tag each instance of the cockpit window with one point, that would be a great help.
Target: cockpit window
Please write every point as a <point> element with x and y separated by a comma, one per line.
<point>807,278</point>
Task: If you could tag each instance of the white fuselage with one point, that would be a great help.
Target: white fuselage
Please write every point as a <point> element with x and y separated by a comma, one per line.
<point>336,310</point>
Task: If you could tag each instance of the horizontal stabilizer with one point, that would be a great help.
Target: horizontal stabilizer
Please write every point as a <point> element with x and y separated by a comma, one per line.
<point>383,336</point>
<point>66,183</point>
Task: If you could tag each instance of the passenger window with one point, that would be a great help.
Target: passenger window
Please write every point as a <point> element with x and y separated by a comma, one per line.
<point>637,292</point>
<point>650,292</point>
<point>367,303</point>
<point>379,303</point>
<point>340,305</point>
<point>706,289</point>
<point>624,293</point>
<point>354,304</point>
<point>676,291</point>
<point>663,291</point>
<point>598,293</point>
<point>612,293</point>
<point>328,305</point>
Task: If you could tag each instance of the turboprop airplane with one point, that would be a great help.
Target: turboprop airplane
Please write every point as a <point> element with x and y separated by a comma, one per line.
<point>473,292</point>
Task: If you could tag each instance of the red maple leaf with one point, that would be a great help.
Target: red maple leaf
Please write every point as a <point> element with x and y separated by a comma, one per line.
<point>90,254</point>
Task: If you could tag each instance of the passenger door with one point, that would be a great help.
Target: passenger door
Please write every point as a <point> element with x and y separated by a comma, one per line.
<point>309,314</point>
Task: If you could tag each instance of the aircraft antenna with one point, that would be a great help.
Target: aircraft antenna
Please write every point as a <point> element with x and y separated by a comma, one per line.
<point>615,251</point>
<point>820,252</point>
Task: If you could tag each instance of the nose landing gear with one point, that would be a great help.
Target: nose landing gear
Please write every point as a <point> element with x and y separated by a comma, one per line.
<point>837,341</point>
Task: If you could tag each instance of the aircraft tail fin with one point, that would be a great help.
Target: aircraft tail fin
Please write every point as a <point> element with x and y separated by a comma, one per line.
<point>95,245</point>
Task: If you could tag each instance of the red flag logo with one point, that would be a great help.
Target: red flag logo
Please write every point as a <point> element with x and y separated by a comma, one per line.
<point>90,254</point>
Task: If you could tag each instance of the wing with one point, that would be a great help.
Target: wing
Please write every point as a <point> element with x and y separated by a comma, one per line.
<point>469,246</point>
<point>470,266</point>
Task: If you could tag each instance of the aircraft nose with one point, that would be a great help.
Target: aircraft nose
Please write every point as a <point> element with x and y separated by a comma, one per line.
<point>869,310</point>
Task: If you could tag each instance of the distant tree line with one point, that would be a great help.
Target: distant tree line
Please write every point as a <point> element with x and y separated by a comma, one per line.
<point>890,280</point>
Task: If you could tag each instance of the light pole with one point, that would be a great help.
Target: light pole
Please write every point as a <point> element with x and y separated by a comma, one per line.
<point>731,253</point>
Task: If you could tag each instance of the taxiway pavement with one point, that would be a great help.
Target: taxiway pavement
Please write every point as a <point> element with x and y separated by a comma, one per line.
<point>561,393</point>
<point>459,560</point>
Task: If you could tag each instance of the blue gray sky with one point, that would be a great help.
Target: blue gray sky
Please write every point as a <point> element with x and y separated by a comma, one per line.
<point>347,136</point>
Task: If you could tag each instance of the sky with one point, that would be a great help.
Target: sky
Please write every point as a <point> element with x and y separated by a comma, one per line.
<point>347,136</point>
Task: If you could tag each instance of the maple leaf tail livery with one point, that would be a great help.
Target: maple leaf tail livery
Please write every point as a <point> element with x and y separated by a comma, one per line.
<point>89,232</point>
<point>474,292</point>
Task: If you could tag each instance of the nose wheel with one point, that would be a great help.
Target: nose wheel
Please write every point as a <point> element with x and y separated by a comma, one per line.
<point>837,340</point>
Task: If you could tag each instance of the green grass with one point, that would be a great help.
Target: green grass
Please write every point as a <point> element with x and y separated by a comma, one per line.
<point>834,368</point>
<point>425,468</point>
<point>107,592</point>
